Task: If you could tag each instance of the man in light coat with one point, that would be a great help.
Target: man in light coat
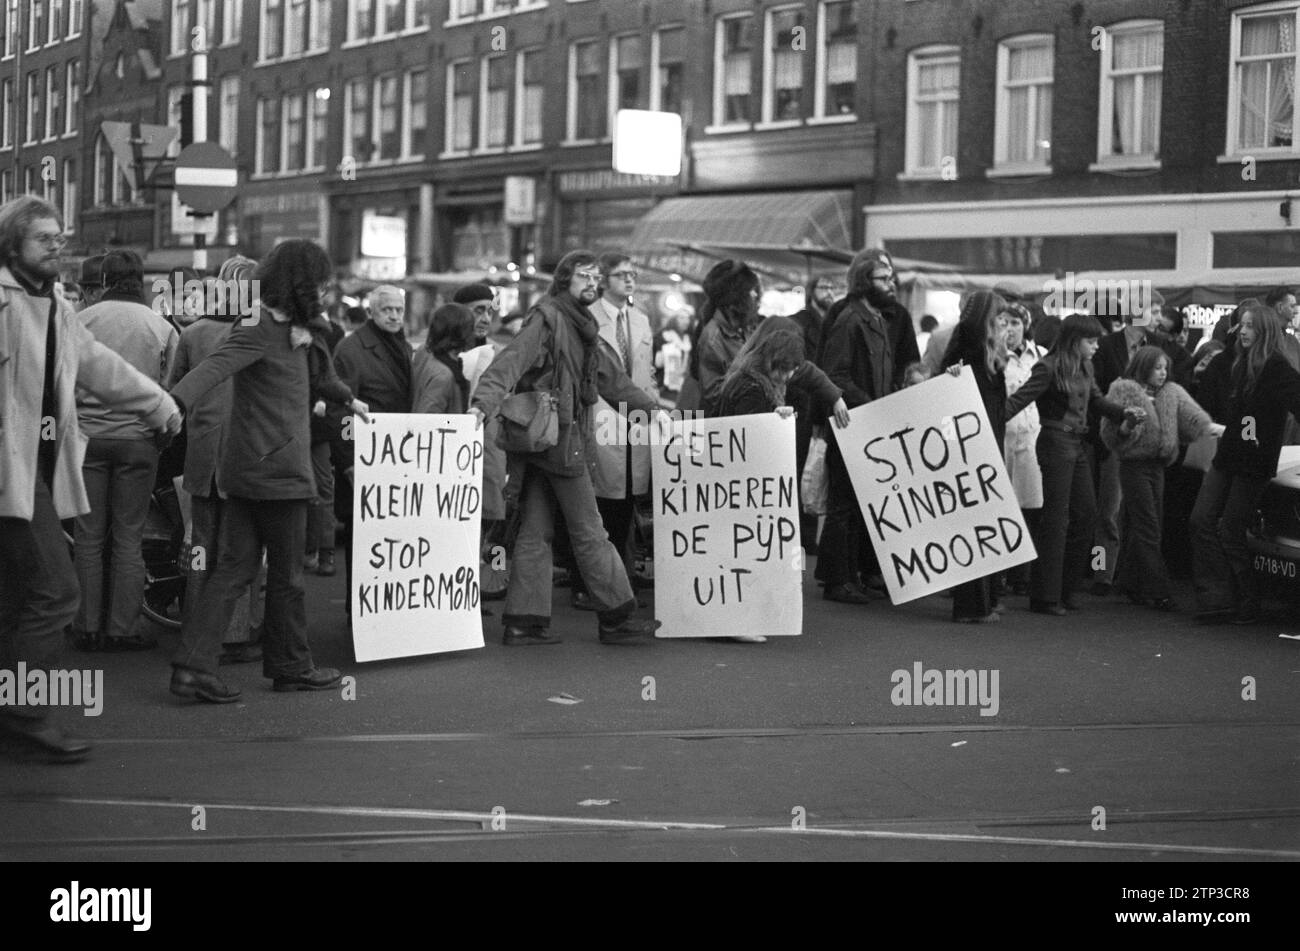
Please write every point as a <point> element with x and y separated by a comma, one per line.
<point>45,355</point>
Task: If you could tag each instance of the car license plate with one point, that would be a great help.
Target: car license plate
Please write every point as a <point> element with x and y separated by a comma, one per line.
<point>1277,567</point>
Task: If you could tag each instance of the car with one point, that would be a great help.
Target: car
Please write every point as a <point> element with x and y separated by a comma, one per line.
<point>1274,538</point>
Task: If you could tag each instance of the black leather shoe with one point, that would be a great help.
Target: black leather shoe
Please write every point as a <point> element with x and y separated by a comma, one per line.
<point>120,645</point>
<point>87,641</point>
<point>633,629</point>
<point>322,678</point>
<point>527,636</point>
<point>201,686</point>
<point>44,739</point>
<point>1047,607</point>
<point>582,601</point>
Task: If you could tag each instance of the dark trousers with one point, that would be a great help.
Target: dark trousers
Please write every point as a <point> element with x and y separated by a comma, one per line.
<point>973,598</point>
<point>248,525</point>
<point>119,476</point>
<point>1222,572</point>
<point>320,514</point>
<point>1019,575</point>
<point>844,533</point>
<point>1141,567</point>
<point>1182,485</point>
<point>204,555</point>
<point>1069,510</point>
<point>38,592</point>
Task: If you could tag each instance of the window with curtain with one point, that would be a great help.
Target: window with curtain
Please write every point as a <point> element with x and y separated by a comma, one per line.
<point>228,114</point>
<point>358,134</point>
<point>460,117</point>
<point>295,137</point>
<point>56,22</point>
<point>318,100</point>
<point>71,95</point>
<point>269,135</point>
<point>496,101</point>
<point>838,70</point>
<point>394,16</point>
<point>319,31</point>
<point>669,48</point>
<point>180,27</point>
<point>1025,102</point>
<point>6,185</point>
<point>33,107</point>
<point>528,124</point>
<point>11,27</point>
<point>76,10</point>
<point>932,108</point>
<point>627,73</point>
<point>51,101</point>
<point>464,9</point>
<point>232,14</point>
<point>1264,74</point>
<point>733,79</point>
<point>417,110</point>
<point>585,109</point>
<point>6,113</point>
<point>784,66</point>
<point>103,180</point>
<point>389,124</point>
<point>1132,65</point>
<point>272,29</point>
<point>69,196</point>
<point>361,19</point>
<point>35,23</point>
<point>295,27</point>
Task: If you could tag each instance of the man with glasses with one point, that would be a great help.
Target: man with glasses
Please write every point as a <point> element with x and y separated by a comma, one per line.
<point>45,356</point>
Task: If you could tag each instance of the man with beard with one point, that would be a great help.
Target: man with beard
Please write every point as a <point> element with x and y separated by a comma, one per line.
<point>823,292</point>
<point>558,350</point>
<point>881,294</point>
<point>375,363</point>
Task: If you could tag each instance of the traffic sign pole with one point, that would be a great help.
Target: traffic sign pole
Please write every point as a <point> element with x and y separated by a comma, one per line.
<point>199,123</point>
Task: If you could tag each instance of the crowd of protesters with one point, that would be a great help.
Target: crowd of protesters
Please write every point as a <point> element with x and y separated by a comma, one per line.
<point>1092,420</point>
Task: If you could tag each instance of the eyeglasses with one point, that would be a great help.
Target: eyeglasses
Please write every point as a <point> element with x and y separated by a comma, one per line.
<point>885,278</point>
<point>591,277</point>
<point>625,275</point>
<point>49,240</point>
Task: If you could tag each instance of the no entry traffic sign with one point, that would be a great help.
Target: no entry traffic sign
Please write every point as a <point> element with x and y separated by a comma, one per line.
<point>206,178</point>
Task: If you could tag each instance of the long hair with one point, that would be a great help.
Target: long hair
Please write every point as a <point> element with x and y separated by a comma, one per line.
<point>1144,363</point>
<point>565,270</point>
<point>776,345</point>
<point>727,288</point>
<point>1069,364</point>
<point>1248,363</point>
<point>16,218</point>
<point>290,278</point>
<point>976,326</point>
<point>123,273</point>
<point>451,330</point>
<point>864,262</point>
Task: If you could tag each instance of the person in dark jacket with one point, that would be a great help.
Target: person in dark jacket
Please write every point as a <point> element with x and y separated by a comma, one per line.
<point>881,293</point>
<point>729,315</point>
<point>375,364</point>
<point>823,292</point>
<point>1264,388</point>
<point>980,342</point>
<point>558,350</point>
<point>1065,391</point>
<point>266,474</point>
<point>438,383</point>
<point>321,541</point>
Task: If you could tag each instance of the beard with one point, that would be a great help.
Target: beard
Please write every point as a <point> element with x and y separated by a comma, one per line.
<point>879,299</point>
<point>588,296</point>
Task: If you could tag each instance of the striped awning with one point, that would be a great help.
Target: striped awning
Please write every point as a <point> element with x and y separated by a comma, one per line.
<point>771,220</point>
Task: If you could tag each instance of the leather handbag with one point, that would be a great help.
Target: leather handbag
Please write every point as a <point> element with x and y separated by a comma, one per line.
<point>530,421</point>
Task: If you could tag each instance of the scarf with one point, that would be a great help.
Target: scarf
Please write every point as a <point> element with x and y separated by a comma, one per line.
<point>588,331</point>
<point>453,364</point>
<point>399,353</point>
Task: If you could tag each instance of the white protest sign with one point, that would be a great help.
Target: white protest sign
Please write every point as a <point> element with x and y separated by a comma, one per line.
<point>728,559</point>
<point>933,488</point>
<point>417,495</point>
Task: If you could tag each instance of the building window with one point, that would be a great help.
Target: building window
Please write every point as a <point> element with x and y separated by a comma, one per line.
<point>71,96</point>
<point>102,181</point>
<point>374,19</point>
<point>585,123</point>
<point>294,156</point>
<point>268,136</point>
<point>783,66</point>
<point>495,97</point>
<point>228,114</point>
<point>1131,62</point>
<point>732,81</point>
<point>1023,127</point>
<point>837,60</point>
<point>56,23</point>
<point>35,24</point>
<point>1261,100</point>
<point>232,16</point>
<point>417,114</point>
<point>295,27</point>
<point>528,97</point>
<point>460,106</point>
<point>464,9</point>
<point>394,16</point>
<point>76,10</point>
<point>318,36</point>
<point>388,130</point>
<point>356,137</point>
<point>11,28</point>
<point>69,196</point>
<point>318,100</point>
<point>33,107</point>
<point>51,102</point>
<point>272,31</point>
<point>626,87</point>
<point>666,49</point>
<point>7,185</point>
<point>180,27</point>
<point>933,76</point>
<point>6,113</point>
<point>174,109</point>
<point>361,19</point>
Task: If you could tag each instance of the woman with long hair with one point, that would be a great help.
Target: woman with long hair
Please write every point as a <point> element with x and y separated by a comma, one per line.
<point>1021,438</point>
<point>1172,417</point>
<point>1063,388</point>
<point>979,341</point>
<point>729,315</point>
<point>438,383</point>
<point>1264,387</point>
<point>757,380</point>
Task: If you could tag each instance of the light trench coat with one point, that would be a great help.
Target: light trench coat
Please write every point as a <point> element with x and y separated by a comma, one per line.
<point>1019,448</point>
<point>609,472</point>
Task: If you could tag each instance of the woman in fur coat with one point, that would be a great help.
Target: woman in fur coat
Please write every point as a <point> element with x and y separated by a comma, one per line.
<point>1172,416</point>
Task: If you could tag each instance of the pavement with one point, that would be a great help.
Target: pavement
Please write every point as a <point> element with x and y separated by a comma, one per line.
<point>1121,734</point>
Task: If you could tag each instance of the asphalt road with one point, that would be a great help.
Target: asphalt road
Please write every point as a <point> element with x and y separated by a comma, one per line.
<point>788,750</point>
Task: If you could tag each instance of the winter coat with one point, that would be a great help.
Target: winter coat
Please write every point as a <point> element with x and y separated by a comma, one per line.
<point>1020,448</point>
<point>548,354</point>
<point>858,355</point>
<point>205,423</point>
<point>1172,418</point>
<point>611,461</point>
<point>365,363</point>
<point>141,338</point>
<point>434,387</point>
<point>719,342</point>
<point>1276,392</point>
<point>967,346</point>
<point>80,361</point>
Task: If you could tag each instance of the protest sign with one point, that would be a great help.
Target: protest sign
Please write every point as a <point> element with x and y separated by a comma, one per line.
<point>933,488</point>
<point>728,559</point>
<point>417,494</point>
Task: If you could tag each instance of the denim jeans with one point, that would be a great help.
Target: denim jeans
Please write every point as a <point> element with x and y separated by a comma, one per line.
<point>1069,511</point>
<point>1141,568</point>
<point>38,592</point>
<point>1110,526</point>
<point>528,599</point>
<point>248,525</point>
<point>119,476</point>
<point>1222,571</point>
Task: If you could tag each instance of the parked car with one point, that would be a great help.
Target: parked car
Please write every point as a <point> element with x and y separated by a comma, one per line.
<point>1274,539</point>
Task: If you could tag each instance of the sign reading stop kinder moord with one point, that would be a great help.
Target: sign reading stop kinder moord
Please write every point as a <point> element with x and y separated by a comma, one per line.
<point>933,488</point>
<point>417,496</point>
<point>727,554</point>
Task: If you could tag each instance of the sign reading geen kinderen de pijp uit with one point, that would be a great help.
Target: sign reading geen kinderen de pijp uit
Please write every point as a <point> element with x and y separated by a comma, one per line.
<point>933,488</point>
<point>726,519</point>
<point>417,500</point>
